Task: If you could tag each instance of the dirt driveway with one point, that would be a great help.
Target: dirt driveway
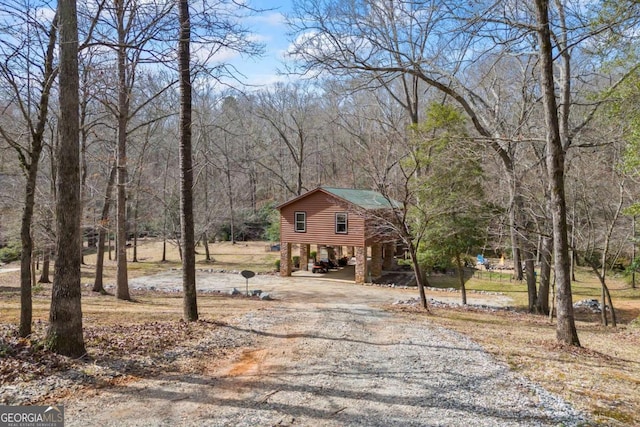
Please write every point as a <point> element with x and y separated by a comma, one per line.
<point>327,353</point>
<point>336,286</point>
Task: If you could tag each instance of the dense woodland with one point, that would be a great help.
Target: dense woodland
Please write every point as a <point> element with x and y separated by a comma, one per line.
<point>505,128</point>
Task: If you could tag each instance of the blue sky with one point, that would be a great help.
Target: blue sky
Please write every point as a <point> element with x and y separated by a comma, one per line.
<point>269,28</point>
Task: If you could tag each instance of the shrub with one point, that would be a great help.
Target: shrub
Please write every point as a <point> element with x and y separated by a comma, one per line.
<point>296,261</point>
<point>10,253</point>
<point>313,255</point>
<point>277,264</point>
<point>272,232</point>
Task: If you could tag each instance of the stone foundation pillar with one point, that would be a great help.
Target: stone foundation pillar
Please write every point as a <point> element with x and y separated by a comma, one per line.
<point>361,264</point>
<point>376,260</point>
<point>304,256</point>
<point>331,253</point>
<point>285,259</point>
<point>389,252</point>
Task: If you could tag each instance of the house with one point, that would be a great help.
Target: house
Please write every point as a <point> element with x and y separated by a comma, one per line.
<point>346,221</point>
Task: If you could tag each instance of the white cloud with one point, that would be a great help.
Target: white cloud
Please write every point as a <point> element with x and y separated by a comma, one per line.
<point>202,53</point>
<point>266,79</point>
<point>274,19</point>
<point>45,14</point>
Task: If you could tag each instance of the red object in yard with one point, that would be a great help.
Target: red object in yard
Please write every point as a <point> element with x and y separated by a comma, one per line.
<point>320,267</point>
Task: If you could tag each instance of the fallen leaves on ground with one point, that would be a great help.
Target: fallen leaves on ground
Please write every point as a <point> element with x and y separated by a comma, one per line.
<point>113,351</point>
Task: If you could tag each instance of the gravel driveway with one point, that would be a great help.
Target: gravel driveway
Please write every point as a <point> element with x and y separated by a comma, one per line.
<point>324,355</point>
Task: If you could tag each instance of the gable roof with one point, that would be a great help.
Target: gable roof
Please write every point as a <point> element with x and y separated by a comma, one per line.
<point>366,199</point>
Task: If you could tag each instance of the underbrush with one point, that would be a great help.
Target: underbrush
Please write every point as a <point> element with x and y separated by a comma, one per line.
<point>10,253</point>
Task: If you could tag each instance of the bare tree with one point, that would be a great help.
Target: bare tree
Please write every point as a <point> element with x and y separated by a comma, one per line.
<point>387,40</point>
<point>289,110</point>
<point>599,189</point>
<point>103,229</point>
<point>361,38</point>
<point>40,41</point>
<point>186,168</point>
<point>64,335</point>
<point>566,329</point>
<point>134,31</point>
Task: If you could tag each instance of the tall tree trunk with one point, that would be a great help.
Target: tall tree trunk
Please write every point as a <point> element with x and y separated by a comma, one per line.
<point>83,178</point>
<point>514,222</point>
<point>253,185</point>
<point>33,270</point>
<point>110,243</point>
<point>205,242</point>
<point>603,297</point>
<point>205,233</point>
<point>603,260</point>
<point>136,201</point>
<point>566,329</point>
<point>46,262</point>
<point>64,335</point>
<point>165,210</point>
<point>164,249</point>
<point>122,281</point>
<point>573,254</point>
<point>602,276</point>
<point>190,305</point>
<point>633,251</point>
<point>529,262</point>
<point>420,279</point>
<point>232,236</point>
<point>614,321</point>
<point>530,266</point>
<point>26,310</point>
<point>98,285</point>
<point>135,231</point>
<point>463,289</point>
<point>545,275</point>
<point>86,85</point>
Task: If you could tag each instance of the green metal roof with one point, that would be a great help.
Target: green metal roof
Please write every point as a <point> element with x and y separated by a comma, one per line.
<point>367,199</point>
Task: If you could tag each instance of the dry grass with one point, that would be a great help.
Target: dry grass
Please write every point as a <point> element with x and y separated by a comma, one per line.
<point>225,256</point>
<point>146,306</point>
<point>602,378</point>
<point>106,310</point>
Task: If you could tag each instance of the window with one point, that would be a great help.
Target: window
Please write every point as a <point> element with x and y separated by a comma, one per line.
<point>341,223</point>
<point>300,220</point>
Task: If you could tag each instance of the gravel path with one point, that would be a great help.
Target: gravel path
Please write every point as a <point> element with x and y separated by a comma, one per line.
<point>332,364</point>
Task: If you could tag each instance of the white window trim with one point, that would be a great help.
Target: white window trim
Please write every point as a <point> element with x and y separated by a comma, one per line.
<point>296,222</point>
<point>346,223</point>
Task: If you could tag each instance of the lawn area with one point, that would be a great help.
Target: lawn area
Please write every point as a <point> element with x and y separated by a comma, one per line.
<point>602,377</point>
<point>224,256</point>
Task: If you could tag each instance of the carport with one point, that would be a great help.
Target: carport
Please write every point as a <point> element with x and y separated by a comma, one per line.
<point>343,222</point>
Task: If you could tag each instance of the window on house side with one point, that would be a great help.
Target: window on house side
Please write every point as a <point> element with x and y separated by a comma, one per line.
<point>300,222</point>
<point>341,223</point>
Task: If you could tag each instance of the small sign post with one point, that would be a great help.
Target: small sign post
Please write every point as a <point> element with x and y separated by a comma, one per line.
<point>247,274</point>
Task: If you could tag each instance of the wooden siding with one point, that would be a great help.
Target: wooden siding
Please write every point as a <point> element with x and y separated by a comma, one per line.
<point>321,209</point>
